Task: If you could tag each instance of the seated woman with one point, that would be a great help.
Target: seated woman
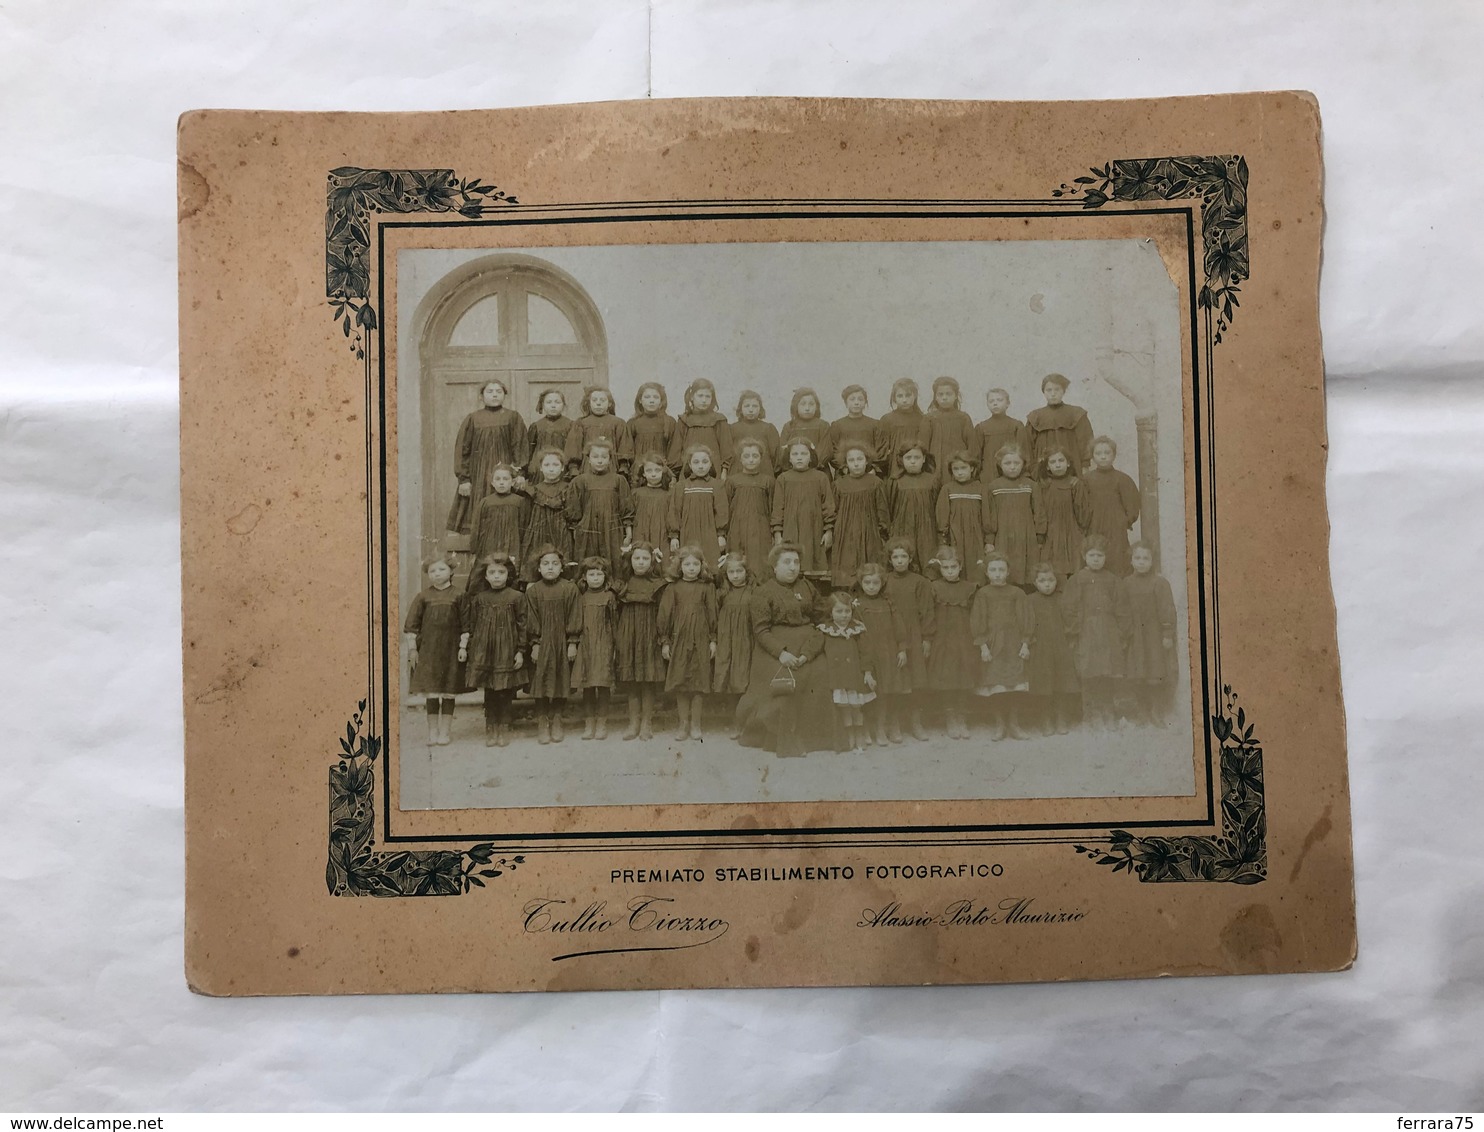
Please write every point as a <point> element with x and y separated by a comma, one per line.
<point>784,613</point>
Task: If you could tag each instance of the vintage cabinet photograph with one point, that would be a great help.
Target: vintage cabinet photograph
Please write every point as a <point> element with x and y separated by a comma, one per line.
<point>762,542</point>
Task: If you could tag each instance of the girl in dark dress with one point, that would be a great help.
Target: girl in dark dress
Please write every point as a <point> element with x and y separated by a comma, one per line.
<point>431,638</point>
<point>733,632</point>
<point>651,429</point>
<point>1099,624</point>
<point>687,626</point>
<point>700,425</point>
<point>953,662</point>
<point>639,665</point>
<point>1058,425</point>
<point>548,431</point>
<point>1150,668</point>
<point>1055,691</point>
<point>805,422</point>
<point>596,423</point>
<point>948,429</point>
<point>1017,522</point>
<point>554,625</point>
<point>852,684</point>
<point>785,641</point>
<point>490,435</point>
<point>884,647</point>
<point>500,523</point>
<point>547,525</point>
<point>698,514</point>
<point>651,501</point>
<point>857,428</point>
<point>913,497</point>
<point>804,508</point>
<point>592,669</point>
<point>911,597</point>
<point>998,430</point>
<point>1002,628</point>
<point>599,510</point>
<point>492,620</point>
<point>752,424</point>
<point>905,423</point>
<point>1068,509</point>
<point>963,516</point>
<point>1113,498</point>
<point>862,516</point>
<point>749,490</point>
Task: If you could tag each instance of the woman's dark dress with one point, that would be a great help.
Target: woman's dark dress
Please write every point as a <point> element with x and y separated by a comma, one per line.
<point>553,618</point>
<point>637,641</point>
<point>486,438</point>
<point>433,617</point>
<point>783,620</point>
<point>496,623</point>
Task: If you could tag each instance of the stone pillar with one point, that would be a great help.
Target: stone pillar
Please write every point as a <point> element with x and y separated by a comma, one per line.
<point>1148,432</point>
<point>1129,369</point>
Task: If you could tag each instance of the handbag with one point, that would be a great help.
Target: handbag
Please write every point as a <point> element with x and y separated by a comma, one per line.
<point>783,682</point>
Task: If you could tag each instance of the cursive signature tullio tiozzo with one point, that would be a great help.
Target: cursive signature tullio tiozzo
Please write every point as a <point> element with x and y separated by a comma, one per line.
<point>645,923</point>
<point>1012,910</point>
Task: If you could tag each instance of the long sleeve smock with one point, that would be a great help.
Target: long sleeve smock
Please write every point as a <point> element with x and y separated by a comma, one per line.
<point>487,438</point>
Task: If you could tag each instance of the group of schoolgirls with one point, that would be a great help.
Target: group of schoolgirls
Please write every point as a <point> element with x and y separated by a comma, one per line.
<point>647,632</point>
<point>999,496</point>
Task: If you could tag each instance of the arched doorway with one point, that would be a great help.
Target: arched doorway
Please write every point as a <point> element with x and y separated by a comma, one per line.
<point>510,317</point>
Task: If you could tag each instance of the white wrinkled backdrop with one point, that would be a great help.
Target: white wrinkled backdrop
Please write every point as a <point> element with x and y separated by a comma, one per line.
<point>94,1014</point>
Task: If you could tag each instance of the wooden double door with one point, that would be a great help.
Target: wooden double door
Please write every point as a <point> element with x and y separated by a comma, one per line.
<point>513,319</point>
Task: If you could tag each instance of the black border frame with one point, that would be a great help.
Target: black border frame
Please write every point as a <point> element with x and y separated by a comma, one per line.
<point>1214,185</point>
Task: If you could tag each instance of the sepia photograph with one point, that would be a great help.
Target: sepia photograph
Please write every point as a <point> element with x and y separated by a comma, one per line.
<point>790,522</point>
<point>779,545</point>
